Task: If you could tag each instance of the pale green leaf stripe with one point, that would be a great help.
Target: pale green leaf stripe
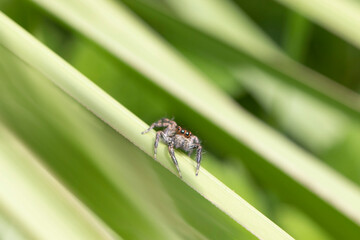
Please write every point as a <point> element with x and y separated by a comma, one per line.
<point>38,203</point>
<point>24,46</point>
<point>9,222</point>
<point>341,17</point>
<point>115,29</point>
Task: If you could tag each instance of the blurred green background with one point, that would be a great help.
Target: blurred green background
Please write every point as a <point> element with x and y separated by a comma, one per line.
<point>291,71</point>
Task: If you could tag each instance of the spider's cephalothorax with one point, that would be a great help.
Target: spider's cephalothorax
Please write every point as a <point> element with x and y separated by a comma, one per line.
<point>176,137</point>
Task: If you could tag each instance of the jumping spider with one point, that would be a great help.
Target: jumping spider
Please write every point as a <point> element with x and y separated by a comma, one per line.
<point>176,137</point>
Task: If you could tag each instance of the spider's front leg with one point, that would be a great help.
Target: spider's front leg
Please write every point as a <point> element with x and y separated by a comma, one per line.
<point>157,139</point>
<point>172,154</point>
<point>198,158</point>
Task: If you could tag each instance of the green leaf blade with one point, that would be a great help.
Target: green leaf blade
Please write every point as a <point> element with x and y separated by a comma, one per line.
<point>106,108</point>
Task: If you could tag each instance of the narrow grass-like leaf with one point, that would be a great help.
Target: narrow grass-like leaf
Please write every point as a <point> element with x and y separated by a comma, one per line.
<point>11,227</point>
<point>38,203</point>
<point>155,59</point>
<point>296,36</point>
<point>312,123</point>
<point>96,159</point>
<point>341,17</point>
<point>76,85</point>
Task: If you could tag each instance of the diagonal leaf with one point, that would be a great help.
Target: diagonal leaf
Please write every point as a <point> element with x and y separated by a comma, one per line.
<point>127,198</point>
<point>312,120</point>
<point>303,174</point>
<point>46,211</point>
<point>76,85</point>
<point>226,22</point>
<point>340,17</point>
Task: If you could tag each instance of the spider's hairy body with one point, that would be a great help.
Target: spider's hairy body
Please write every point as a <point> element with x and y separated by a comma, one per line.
<point>176,137</point>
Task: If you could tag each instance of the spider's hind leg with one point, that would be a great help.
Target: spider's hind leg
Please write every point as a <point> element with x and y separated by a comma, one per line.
<point>164,122</point>
<point>151,127</point>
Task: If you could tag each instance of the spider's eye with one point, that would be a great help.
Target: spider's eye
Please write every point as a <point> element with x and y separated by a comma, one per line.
<point>182,131</point>
<point>187,134</point>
